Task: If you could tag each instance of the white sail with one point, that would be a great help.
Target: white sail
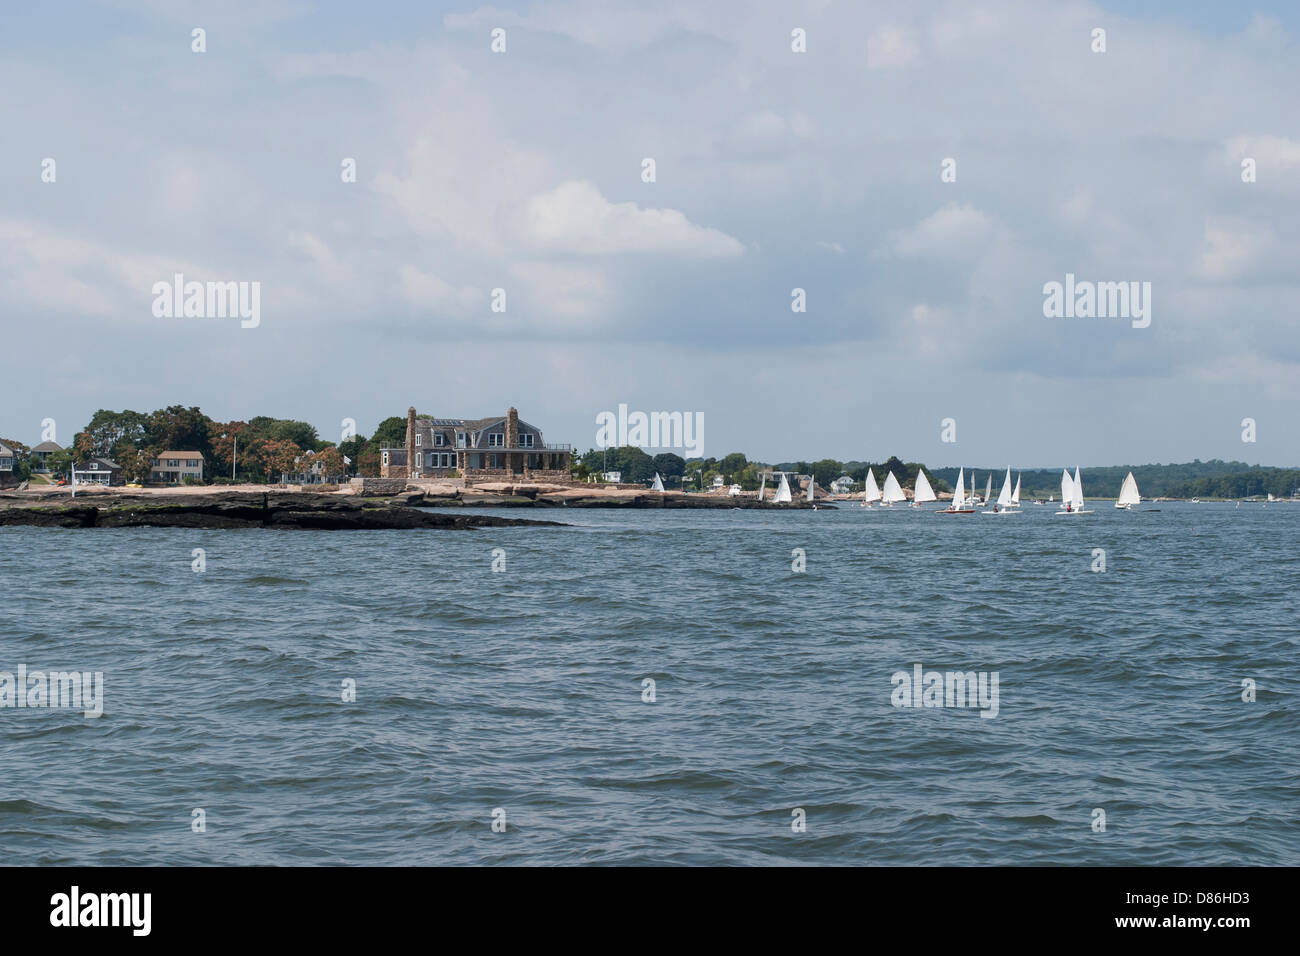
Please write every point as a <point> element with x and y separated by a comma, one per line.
<point>924,492</point>
<point>812,481</point>
<point>872,492</point>
<point>1067,487</point>
<point>783,493</point>
<point>762,486</point>
<point>988,488</point>
<point>1128,492</point>
<point>1015,495</point>
<point>893,491</point>
<point>1004,497</point>
<point>959,496</point>
<point>658,485</point>
<point>1077,500</point>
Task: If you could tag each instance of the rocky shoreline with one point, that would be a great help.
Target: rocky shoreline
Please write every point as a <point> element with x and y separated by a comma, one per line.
<point>240,510</point>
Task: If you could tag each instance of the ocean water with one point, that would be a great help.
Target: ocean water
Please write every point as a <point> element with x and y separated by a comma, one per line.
<point>521,690</point>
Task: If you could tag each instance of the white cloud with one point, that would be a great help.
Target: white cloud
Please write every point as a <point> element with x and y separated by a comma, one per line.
<point>954,228</point>
<point>558,296</point>
<point>1233,249</point>
<point>426,291</point>
<point>575,218</point>
<point>891,47</point>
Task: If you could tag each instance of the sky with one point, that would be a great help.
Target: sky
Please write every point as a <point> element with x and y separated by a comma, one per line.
<point>774,170</point>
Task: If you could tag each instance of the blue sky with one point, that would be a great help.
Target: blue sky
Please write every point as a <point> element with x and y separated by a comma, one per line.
<point>775,170</point>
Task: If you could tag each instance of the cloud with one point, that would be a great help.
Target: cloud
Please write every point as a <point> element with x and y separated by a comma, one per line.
<point>1233,250</point>
<point>957,227</point>
<point>427,291</point>
<point>891,47</point>
<point>575,218</point>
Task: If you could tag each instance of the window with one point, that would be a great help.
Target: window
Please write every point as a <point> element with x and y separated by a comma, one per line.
<point>385,458</point>
<point>419,459</point>
<point>439,439</point>
<point>496,440</point>
<point>173,463</point>
<point>460,439</point>
<point>526,440</point>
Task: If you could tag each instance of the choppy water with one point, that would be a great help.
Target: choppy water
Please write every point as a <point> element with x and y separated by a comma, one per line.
<point>522,690</point>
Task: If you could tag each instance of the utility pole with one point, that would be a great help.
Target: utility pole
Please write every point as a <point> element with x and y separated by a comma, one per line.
<point>234,456</point>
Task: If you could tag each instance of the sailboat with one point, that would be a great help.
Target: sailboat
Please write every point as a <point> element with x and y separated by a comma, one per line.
<point>871,493</point>
<point>762,486</point>
<point>812,482</point>
<point>1072,494</point>
<point>783,493</point>
<point>958,506</point>
<point>1067,492</point>
<point>923,492</point>
<point>1077,501</point>
<point>988,490</point>
<point>1003,506</point>
<point>1015,495</point>
<point>659,484</point>
<point>1128,493</point>
<point>893,491</point>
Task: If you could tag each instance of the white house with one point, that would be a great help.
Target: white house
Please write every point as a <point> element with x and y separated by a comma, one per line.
<point>175,466</point>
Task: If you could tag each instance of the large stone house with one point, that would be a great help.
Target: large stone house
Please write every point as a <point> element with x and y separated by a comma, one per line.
<point>501,446</point>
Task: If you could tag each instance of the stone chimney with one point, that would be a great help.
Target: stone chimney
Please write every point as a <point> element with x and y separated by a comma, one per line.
<point>512,439</point>
<point>512,428</point>
<point>410,443</point>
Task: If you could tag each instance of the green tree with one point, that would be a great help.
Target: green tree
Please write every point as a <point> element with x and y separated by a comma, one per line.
<point>111,433</point>
<point>302,434</point>
<point>669,465</point>
<point>732,463</point>
<point>177,428</point>
<point>826,471</point>
<point>391,433</point>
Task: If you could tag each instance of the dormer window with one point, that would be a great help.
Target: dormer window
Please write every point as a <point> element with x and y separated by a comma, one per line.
<point>419,440</point>
<point>439,439</point>
<point>496,440</point>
